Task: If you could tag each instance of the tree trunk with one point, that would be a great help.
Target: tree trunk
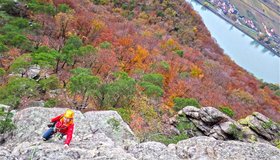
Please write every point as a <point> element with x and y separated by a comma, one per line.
<point>57,65</point>
<point>63,64</point>
<point>84,104</point>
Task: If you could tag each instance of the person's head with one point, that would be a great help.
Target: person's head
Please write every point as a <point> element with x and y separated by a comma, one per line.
<point>68,115</point>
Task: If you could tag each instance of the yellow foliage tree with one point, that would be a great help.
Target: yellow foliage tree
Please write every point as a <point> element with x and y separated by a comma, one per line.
<point>196,72</point>
<point>140,55</point>
<point>97,25</point>
<point>62,21</point>
<point>170,45</point>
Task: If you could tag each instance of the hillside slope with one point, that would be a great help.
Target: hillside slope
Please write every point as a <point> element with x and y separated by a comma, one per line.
<point>140,58</point>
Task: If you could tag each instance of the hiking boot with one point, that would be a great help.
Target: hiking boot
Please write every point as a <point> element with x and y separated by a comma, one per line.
<point>60,137</point>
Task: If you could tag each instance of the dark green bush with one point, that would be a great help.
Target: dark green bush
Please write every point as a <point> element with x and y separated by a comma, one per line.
<point>180,103</point>
<point>160,13</point>
<point>51,103</point>
<point>20,64</point>
<point>40,7</point>
<point>165,65</point>
<point>6,123</point>
<point>2,72</point>
<point>168,139</point>
<point>184,75</point>
<point>156,79</point>
<point>63,8</point>
<point>277,93</point>
<point>22,87</point>
<point>227,111</point>
<point>50,83</point>
<point>7,6</point>
<point>17,40</point>
<point>267,125</point>
<point>184,124</point>
<point>71,49</point>
<point>20,23</point>
<point>101,2</point>
<point>9,100</point>
<point>120,92</point>
<point>15,89</point>
<point>105,45</point>
<point>125,113</point>
<point>235,132</point>
<point>180,53</point>
<point>3,48</point>
<point>45,59</point>
<point>151,90</point>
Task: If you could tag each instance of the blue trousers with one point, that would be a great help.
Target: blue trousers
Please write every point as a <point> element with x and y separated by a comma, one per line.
<point>48,134</point>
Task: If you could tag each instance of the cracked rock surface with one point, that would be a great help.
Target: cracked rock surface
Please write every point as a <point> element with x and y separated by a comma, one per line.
<point>103,135</point>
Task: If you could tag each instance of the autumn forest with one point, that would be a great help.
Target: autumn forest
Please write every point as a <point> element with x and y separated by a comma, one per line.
<point>144,59</point>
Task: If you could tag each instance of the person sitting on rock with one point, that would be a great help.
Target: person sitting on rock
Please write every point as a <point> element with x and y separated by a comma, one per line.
<point>63,124</point>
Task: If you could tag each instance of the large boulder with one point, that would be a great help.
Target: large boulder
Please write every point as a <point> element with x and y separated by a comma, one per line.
<point>213,123</point>
<point>211,115</point>
<point>209,148</point>
<point>103,135</point>
<point>101,148</point>
<point>33,71</point>
<point>263,126</point>
<point>152,150</point>
<point>207,120</point>
<point>110,123</point>
<point>97,135</point>
<point>191,111</point>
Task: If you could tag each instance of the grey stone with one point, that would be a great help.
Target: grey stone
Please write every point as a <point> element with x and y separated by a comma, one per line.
<point>111,123</point>
<point>152,150</point>
<point>102,135</point>
<point>263,126</point>
<point>36,104</point>
<point>192,112</point>
<point>211,115</point>
<point>209,148</point>
<point>204,128</point>
<point>226,127</point>
<point>217,133</point>
<point>33,71</point>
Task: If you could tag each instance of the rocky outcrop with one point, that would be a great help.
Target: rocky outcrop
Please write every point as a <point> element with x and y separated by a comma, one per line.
<point>97,135</point>
<point>209,148</point>
<point>33,71</point>
<point>213,123</point>
<point>152,150</point>
<point>262,125</point>
<point>103,135</point>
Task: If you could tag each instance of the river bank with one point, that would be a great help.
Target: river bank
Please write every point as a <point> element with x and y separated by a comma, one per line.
<point>239,27</point>
<point>241,48</point>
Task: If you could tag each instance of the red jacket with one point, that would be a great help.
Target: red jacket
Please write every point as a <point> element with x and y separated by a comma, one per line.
<point>64,128</point>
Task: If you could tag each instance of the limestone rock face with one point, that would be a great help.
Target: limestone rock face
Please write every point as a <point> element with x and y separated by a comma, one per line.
<point>213,123</point>
<point>192,112</point>
<point>209,148</point>
<point>211,115</point>
<point>152,150</point>
<point>95,136</point>
<point>33,71</point>
<point>110,123</point>
<point>103,135</point>
<point>263,126</point>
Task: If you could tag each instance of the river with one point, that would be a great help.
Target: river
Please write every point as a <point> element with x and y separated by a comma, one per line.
<point>242,49</point>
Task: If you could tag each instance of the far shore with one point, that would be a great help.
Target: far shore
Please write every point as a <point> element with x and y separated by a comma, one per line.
<point>237,26</point>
